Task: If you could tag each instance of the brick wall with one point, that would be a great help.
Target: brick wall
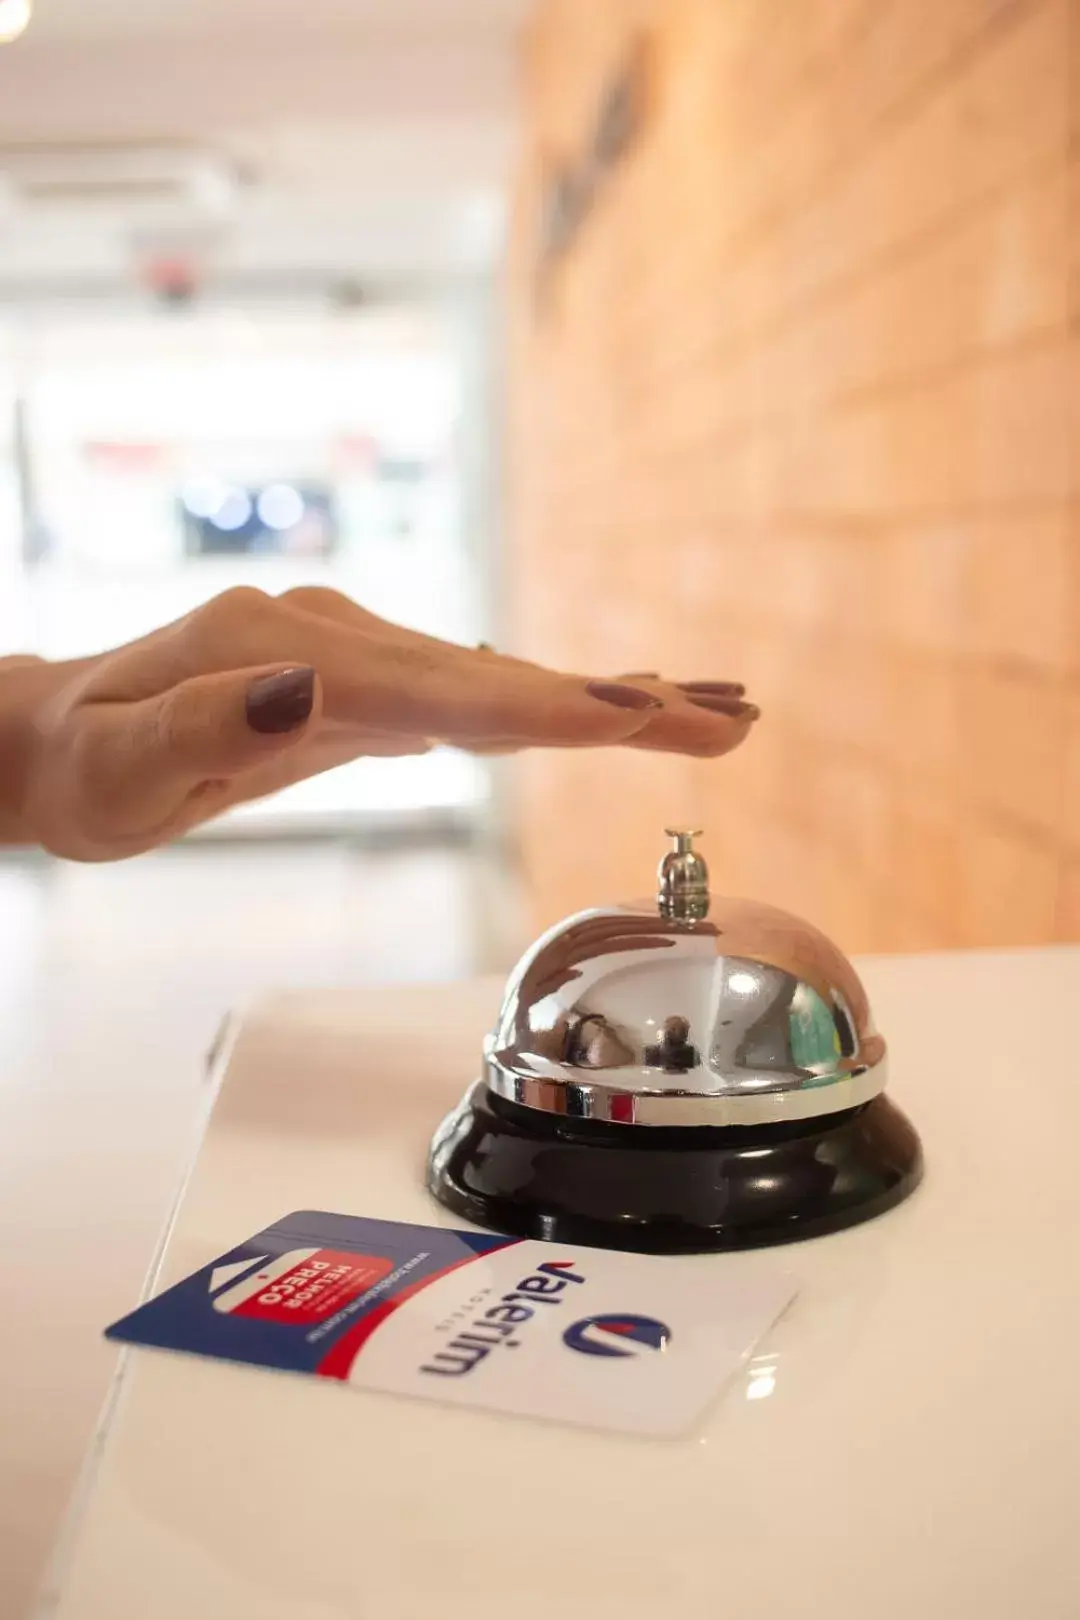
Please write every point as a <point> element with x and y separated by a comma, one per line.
<point>799,408</point>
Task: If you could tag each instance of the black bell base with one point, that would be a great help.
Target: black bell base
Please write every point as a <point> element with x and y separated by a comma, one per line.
<point>669,1189</point>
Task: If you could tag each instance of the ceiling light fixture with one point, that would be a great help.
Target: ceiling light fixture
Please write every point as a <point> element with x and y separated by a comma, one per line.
<point>14,19</point>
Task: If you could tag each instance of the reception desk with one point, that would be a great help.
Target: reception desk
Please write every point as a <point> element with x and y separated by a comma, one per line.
<point>904,1441</point>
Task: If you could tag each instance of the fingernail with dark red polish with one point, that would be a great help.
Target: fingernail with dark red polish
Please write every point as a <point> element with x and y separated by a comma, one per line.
<point>712,688</point>
<point>623,697</point>
<point>724,705</point>
<point>277,703</point>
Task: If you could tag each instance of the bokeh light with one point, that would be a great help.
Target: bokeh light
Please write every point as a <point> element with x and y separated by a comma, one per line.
<point>14,19</point>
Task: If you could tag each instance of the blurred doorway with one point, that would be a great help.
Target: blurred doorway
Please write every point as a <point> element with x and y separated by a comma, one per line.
<point>167,457</point>
<point>247,255</point>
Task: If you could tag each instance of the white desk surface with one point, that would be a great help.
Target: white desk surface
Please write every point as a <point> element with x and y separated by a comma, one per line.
<point>905,1443</point>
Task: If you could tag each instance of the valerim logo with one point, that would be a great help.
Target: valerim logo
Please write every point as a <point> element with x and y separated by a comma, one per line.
<point>496,1328</point>
<point>617,1335</point>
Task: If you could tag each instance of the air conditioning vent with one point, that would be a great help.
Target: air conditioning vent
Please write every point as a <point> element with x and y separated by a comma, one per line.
<point>118,179</point>
<point>99,191</point>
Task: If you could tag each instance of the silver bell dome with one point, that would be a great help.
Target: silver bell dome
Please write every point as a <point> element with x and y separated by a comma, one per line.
<point>689,1009</point>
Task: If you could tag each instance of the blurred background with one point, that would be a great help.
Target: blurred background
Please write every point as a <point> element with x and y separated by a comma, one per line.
<point>716,336</point>
<point>248,327</point>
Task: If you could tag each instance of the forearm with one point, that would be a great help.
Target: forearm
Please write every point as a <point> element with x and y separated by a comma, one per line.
<point>28,686</point>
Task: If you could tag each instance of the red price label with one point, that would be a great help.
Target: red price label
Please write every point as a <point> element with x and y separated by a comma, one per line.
<point>318,1285</point>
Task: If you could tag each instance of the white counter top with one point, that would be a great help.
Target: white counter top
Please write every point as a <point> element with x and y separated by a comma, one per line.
<point>906,1442</point>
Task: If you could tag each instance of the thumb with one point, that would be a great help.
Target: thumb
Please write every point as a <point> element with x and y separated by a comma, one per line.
<point>139,762</point>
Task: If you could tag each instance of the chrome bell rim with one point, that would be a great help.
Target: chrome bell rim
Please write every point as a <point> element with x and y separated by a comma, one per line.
<point>667,1106</point>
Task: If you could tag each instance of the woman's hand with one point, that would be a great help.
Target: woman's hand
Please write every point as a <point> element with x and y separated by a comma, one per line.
<point>109,756</point>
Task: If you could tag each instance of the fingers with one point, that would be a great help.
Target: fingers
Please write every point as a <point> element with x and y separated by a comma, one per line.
<point>695,734</point>
<point>137,764</point>
<point>703,718</point>
<point>463,700</point>
<point>706,719</point>
<point>376,677</point>
<point>680,727</point>
<point>714,688</point>
<point>494,704</point>
<point>395,681</point>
